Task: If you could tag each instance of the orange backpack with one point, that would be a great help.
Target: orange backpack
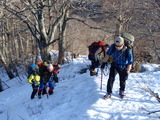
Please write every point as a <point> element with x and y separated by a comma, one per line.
<point>93,48</point>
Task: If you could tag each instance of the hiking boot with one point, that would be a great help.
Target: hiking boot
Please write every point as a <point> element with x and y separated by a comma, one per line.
<point>122,94</point>
<point>92,73</point>
<point>32,97</point>
<point>107,96</point>
<point>39,96</point>
<point>50,92</point>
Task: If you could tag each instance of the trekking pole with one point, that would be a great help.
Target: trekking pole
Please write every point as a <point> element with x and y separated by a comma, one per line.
<point>101,79</point>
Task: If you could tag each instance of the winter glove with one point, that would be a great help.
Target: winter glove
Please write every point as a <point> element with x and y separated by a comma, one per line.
<point>103,65</point>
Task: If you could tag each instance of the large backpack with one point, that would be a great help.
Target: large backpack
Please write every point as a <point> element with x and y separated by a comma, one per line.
<point>93,48</point>
<point>128,39</point>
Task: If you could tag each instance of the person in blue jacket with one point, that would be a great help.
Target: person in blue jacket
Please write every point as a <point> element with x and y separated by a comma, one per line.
<point>121,64</point>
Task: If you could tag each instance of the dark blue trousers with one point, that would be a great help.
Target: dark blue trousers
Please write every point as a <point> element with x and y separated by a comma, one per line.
<point>123,76</point>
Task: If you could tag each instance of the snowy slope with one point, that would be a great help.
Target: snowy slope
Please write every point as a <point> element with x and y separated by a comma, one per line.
<point>78,97</point>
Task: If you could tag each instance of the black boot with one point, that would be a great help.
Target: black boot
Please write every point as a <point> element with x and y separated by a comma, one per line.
<point>32,95</point>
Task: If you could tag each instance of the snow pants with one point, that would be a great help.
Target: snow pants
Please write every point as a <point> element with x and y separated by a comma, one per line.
<point>35,89</point>
<point>42,88</point>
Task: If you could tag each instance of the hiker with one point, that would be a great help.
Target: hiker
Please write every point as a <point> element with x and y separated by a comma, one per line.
<point>42,72</point>
<point>34,80</point>
<point>96,59</point>
<point>122,63</point>
<point>55,72</point>
<point>47,80</point>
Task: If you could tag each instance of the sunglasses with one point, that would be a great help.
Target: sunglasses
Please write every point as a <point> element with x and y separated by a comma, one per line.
<point>118,45</point>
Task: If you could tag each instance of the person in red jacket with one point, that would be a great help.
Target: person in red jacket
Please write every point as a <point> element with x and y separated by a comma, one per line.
<point>95,63</point>
<point>55,72</point>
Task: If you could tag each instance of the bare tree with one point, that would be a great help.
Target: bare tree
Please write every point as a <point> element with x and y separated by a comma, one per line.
<point>46,20</point>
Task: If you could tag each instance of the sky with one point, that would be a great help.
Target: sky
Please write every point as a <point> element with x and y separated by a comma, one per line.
<point>77,96</point>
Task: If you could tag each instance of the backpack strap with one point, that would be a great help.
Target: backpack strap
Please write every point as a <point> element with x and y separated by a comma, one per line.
<point>104,53</point>
<point>120,54</point>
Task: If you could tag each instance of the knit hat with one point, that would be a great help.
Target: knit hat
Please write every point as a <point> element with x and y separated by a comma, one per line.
<point>119,40</point>
<point>50,67</point>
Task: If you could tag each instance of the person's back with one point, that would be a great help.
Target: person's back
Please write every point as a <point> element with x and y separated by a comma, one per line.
<point>98,56</point>
<point>46,81</point>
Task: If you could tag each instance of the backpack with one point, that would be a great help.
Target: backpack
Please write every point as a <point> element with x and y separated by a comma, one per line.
<point>128,39</point>
<point>32,69</point>
<point>93,48</point>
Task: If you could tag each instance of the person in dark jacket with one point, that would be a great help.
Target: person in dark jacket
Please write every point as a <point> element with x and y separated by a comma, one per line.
<point>47,80</point>
<point>122,63</point>
<point>99,55</point>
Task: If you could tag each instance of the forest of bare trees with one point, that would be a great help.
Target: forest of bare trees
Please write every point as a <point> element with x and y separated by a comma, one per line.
<point>31,28</point>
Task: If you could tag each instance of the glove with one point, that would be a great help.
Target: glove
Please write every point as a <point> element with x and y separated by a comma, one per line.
<point>103,65</point>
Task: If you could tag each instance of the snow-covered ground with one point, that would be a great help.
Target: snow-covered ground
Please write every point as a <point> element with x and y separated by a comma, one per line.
<point>78,97</point>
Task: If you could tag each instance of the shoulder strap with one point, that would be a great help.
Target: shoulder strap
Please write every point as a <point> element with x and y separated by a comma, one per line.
<point>120,55</point>
<point>104,53</point>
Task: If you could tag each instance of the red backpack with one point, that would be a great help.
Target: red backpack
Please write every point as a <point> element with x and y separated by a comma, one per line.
<point>93,48</point>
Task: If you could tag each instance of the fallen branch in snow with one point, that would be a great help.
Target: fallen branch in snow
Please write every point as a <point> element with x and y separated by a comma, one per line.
<point>151,112</point>
<point>151,92</point>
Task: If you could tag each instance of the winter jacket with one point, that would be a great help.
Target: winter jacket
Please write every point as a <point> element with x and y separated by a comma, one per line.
<point>56,69</point>
<point>122,61</point>
<point>34,79</point>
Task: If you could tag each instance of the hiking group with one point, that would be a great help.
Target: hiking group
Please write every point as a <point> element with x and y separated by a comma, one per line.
<point>42,77</point>
<point>120,57</point>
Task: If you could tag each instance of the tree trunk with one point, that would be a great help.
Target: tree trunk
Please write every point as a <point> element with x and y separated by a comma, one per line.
<point>62,33</point>
<point>61,52</point>
<point>8,70</point>
<point>46,53</point>
<point>61,42</point>
<point>1,88</point>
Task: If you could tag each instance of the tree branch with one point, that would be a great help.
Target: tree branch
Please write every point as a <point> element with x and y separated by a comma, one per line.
<point>88,25</point>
